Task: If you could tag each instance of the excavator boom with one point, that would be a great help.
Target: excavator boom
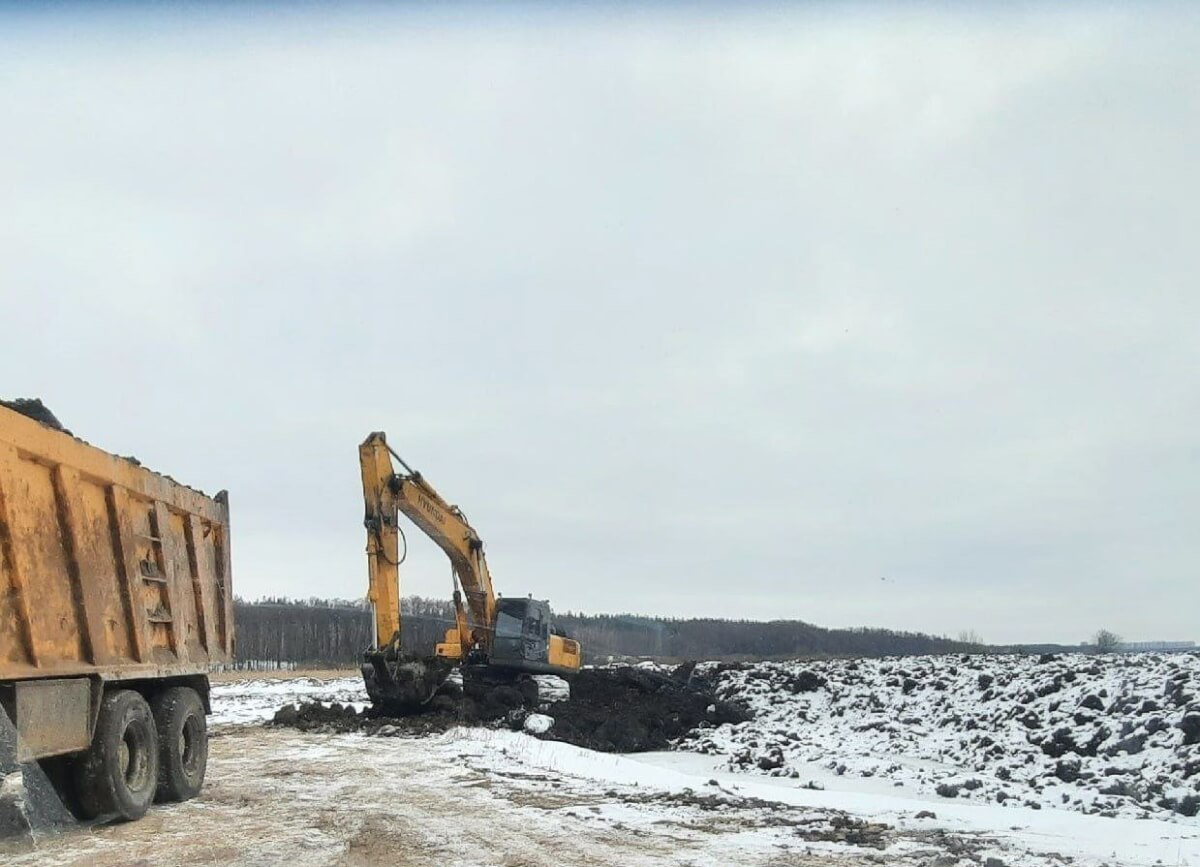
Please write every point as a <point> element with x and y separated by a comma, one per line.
<point>447,526</point>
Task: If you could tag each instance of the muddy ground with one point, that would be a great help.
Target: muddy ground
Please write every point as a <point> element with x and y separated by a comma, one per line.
<point>478,795</point>
<point>280,796</point>
<point>621,709</point>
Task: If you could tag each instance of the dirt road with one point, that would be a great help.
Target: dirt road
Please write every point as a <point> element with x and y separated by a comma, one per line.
<point>283,797</point>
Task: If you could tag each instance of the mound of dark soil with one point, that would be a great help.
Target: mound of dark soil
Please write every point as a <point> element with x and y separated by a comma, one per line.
<point>443,713</point>
<point>317,717</point>
<point>628,710</point>
<point>610,709</point>
<point>478,704</point>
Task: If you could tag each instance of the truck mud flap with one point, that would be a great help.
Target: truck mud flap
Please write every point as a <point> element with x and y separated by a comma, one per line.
<point>29,805</point>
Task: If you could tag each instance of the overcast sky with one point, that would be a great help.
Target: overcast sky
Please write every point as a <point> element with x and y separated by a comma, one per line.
<point>839,313</point>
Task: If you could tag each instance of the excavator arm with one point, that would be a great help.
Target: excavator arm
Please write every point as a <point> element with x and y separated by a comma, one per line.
<point>383,542</point>
<point>395,680</point>
<point>387,493</point>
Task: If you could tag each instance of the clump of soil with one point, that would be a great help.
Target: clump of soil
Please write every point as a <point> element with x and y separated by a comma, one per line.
<point>610,709</point>
<point>312,716</point>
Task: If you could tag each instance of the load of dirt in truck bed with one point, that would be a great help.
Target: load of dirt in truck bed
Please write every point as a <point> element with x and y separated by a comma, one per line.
<point>621,709</point>
<point>32,407</point>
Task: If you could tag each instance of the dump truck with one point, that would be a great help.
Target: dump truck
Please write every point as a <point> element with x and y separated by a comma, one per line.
<point>115,601</point>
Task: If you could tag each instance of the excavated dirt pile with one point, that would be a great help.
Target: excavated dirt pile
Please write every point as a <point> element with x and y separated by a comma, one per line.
<point>620,709</point>
<point>628,710</point>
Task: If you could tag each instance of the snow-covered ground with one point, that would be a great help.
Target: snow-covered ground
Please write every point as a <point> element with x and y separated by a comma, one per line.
<point>850,776</point>
<point>240,702</point>
<point>1116,735</point>
<point>1035,759</point>
<point>1012,836</point>
<point>475,797</point>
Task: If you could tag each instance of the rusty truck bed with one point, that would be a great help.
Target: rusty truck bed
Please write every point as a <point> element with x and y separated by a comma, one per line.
<point>106,568</point>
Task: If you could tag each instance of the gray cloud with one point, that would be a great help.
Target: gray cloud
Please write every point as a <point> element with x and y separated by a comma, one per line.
<point>694,315</point>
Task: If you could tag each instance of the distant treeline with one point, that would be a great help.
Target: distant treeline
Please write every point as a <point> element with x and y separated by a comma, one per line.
<point>329,632</point>
<point>711,638</point>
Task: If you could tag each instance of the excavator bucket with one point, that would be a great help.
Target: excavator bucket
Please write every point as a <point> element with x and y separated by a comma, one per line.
<point>404,683</point>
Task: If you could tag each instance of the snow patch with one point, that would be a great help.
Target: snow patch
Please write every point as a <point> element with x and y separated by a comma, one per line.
<point>1105,735</point>
<point>538,723</point>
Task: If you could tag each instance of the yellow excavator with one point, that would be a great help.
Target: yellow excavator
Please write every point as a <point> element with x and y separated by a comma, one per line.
<point>497,640</point>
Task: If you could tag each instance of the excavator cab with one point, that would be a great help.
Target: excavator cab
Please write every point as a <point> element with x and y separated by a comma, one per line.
<point>522,637</point>
<point>525,640</point>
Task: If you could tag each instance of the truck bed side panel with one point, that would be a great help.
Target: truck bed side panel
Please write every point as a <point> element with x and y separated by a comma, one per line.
<point>105,567</point>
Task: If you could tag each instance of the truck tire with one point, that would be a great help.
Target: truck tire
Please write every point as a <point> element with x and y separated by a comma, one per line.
<point>119,772</point>
<point>182,743</point>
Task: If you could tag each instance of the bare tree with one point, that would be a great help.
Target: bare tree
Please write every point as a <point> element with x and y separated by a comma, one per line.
<point>1106,641</point>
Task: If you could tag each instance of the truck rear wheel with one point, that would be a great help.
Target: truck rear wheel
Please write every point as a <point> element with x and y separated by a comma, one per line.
<point>182,743</point>
<point>119,772</point>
